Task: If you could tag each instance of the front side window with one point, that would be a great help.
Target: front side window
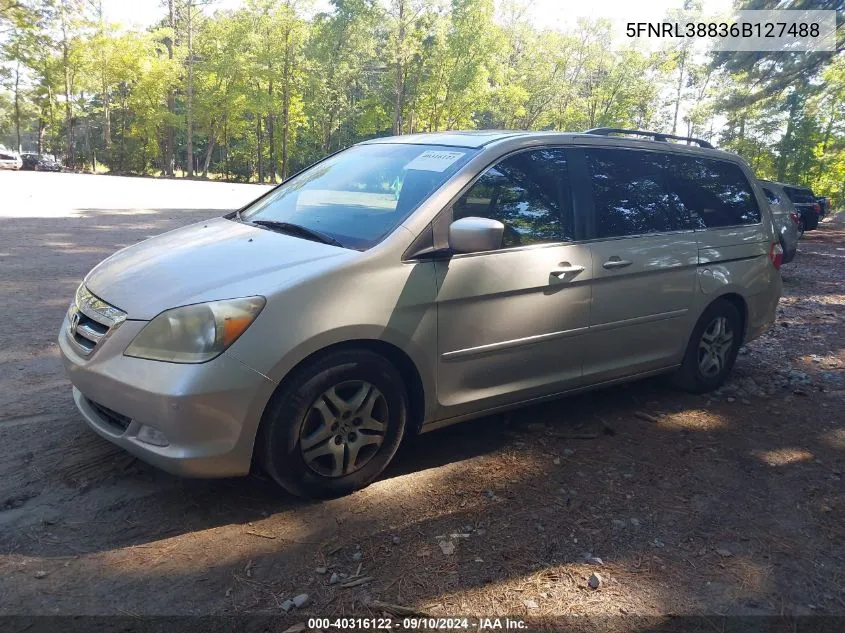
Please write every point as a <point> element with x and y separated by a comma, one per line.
<point>716,193</point>
<point>528,193</point>
<point>630,193</point>
<point>359,196</point>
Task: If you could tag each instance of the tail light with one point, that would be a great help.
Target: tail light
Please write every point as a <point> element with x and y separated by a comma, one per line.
<point>817,208</point>
<point>795,218</point>
<point>776,255</point>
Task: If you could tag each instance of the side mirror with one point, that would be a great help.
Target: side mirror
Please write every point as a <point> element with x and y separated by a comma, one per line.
<point>474,235</point>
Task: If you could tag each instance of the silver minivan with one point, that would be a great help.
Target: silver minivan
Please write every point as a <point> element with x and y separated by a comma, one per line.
<point>785,218</point>
<point>408,283</point>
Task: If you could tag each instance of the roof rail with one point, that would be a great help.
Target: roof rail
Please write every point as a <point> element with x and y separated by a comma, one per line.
<point>657,136</point>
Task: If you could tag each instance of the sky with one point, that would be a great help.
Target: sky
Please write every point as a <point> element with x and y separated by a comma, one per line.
<point>551,13</point>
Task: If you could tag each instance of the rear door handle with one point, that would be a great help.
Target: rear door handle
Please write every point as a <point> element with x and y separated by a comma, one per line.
<point>566,269</point>
<point>616,263</point>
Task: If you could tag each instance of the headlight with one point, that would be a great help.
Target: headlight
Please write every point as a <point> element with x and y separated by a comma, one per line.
<point>195,333</point>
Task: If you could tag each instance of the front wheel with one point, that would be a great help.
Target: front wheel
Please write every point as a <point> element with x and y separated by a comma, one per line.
<point>335,424</point>
<point>712,348</point>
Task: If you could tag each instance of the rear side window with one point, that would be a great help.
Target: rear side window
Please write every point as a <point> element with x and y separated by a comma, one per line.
<point>630,193</point>
<point>528,193</point>
<point>715,193</point>
<point>771,196</point>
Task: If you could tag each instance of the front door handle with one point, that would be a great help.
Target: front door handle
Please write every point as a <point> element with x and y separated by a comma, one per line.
<point>566,269</point>
<point>615,262</point>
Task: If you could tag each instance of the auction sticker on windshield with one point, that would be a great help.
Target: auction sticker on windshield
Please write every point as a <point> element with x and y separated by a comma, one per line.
<point>434,160</point>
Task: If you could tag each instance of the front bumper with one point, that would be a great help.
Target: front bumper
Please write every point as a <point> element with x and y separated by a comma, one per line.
<point>208,412</point>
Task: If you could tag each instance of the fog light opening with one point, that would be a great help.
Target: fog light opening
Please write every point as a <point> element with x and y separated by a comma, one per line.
<point>151,435</point>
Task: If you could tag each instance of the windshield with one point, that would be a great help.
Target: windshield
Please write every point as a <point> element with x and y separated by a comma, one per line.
<point>362,194</point>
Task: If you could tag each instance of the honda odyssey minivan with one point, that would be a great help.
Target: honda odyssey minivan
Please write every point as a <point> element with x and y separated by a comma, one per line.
<point>408,283</point>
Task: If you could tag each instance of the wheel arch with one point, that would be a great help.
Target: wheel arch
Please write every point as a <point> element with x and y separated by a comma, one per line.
<point>392,353</point>
<point>741,305</point>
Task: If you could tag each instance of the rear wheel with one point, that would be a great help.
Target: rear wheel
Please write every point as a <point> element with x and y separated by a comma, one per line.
<point>712,348</point>
<point>801,227</point>
<point>335,424</point>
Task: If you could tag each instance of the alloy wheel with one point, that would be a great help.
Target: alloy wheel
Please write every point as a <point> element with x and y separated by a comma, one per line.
<point>344,428</point>
<point>715,347</point>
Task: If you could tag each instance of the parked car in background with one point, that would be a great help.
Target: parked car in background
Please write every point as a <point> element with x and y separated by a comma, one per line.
<point>9,159</point>
<point>40,162</point>
<point>785,217</point>
<point>806,205</point>
<point>412,282</point>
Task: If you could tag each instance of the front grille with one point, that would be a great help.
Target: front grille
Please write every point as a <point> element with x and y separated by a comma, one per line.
<point>90,320</point>
<point>113,418</point>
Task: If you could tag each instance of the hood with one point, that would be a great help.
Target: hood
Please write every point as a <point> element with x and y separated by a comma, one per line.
<point>216,259</point>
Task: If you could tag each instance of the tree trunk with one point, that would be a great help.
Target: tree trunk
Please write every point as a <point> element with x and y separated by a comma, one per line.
<point>286,105</point>
<point>190,92</point>
<point>170,133</point>
<point>271,140</point>
<point>41,129</point>
<point>680,89</point>
<point>121,156</point>
<point>285,136</point>
<point>105,89</point>
<point>398,79</point>
<point>18,104</point>
<point>63,18</point>
<point>89,149</point>
<point>787,137</point>
<point>226,150</point>
<point>260,137</point>
<point>212,138</point>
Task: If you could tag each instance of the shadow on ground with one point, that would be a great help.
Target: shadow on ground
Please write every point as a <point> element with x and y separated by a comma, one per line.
<point>695,504</point>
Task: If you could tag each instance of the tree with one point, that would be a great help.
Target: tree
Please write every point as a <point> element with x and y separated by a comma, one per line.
<point>773,72</point>
<point>263,91</point>
<point>69,13</point>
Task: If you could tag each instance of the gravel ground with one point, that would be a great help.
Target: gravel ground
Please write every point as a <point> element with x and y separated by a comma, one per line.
<point>729,503</point>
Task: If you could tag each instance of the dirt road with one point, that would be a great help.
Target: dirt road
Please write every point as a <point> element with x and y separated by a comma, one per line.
<point>731,503</point>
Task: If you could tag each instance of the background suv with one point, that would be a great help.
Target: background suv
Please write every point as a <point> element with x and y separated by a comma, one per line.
<point>806,205</point>
<point>412,282</point>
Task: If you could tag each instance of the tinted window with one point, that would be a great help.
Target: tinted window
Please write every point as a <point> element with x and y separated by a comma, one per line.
<point>802,196</point>
<point>630,193</point>
<point>528,193</point>
<point>716,193</point>
<point>771,196</point>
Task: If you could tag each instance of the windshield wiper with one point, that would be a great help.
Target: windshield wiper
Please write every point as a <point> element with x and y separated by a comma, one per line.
<point>299,231</point>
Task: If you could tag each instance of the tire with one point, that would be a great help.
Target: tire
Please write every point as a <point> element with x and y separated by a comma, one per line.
<point>801,226</point>
<point>691,376</point>
<point>355,395</point>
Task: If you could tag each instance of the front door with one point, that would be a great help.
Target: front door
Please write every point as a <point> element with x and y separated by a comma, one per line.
<point>511,322</point>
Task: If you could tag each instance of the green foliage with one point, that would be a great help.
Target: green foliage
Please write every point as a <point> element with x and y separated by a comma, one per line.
<point>262,91</point>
